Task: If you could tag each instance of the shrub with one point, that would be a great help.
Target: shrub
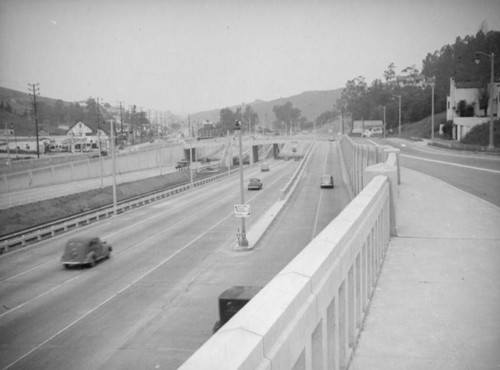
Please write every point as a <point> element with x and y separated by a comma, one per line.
<point>480,134</point>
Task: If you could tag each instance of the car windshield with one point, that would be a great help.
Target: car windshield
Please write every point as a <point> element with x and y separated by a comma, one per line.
<point>325,178</point>
<point>254,180</point>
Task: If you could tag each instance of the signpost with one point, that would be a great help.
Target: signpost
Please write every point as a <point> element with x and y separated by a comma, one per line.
<point>242,210</point>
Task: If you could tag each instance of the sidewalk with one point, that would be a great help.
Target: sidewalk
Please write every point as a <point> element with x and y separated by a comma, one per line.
<point>437,301</point>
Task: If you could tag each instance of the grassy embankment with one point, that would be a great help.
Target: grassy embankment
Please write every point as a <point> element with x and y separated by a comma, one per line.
<point>29,215</point>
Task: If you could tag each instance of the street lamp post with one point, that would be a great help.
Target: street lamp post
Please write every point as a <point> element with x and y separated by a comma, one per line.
<point>433,83</point>
<point>490,103</point>
<point>113,158</point>
<point>399,124</point>
<point>385,128</point>
<point>242,238</point>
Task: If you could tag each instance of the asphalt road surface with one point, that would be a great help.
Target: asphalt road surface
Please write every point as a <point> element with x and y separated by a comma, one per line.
<point>155,301</point>
<point>475,173</point>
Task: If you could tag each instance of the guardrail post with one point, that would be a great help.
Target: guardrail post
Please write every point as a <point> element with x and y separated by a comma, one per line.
<point>391,172</point>
<point>397,152</point>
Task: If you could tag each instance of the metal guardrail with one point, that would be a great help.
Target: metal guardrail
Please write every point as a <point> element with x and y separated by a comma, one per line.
<point>33,235</point>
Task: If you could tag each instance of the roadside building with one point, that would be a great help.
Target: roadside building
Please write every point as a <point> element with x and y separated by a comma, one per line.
<point>464,105</point>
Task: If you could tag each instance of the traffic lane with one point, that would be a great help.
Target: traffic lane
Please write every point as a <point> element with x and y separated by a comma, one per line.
<point>465,158</point>
<point>172,338</point>
<point>39,266</point>
<point>107,285</point>
<point>129,317</point>
<point>481,183</point>
<point>331,201</point>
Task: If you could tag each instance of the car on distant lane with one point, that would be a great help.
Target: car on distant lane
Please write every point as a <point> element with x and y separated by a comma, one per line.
<point>255,184</point>
<point>264,167</point>
<point>326,181</point>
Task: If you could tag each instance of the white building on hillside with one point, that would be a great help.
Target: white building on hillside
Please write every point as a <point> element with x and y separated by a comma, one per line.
<point>468,93</point>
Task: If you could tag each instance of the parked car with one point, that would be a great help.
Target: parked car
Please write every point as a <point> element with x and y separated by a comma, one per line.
<point>326,181</point>
<point>264,167</point>
<point>377,131</point>
<point>85,251</point>
<point>357,131</point>
<point>255,184</point>
<point>232,300</point>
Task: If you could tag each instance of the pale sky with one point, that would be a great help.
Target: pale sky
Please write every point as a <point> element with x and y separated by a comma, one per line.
<point>188,56</point>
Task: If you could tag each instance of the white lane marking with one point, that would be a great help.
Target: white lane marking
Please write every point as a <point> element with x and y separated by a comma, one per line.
<point>119,292</point>
<point>316,218</point>
<point>40,295</point>
<point>450,163</point>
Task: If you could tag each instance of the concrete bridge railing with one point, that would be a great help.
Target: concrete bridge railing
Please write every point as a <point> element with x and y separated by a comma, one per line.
<point>357,157</point>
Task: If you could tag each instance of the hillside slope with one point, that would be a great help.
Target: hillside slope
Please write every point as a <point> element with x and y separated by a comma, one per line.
<point>311,103</point>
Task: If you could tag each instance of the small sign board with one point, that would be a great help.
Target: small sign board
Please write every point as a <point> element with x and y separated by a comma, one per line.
<point>242,210</point>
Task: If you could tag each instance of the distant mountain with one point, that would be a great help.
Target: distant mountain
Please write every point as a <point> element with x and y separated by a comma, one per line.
<point>22,101</point>
<point>311,103</point>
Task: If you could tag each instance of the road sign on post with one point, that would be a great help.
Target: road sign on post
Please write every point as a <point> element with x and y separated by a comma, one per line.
<point>242,210</point>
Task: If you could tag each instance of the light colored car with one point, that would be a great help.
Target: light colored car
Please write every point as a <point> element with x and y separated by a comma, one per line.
<point>357,131</point>
<point>377,131</point>
<point>326,181</point>
<point>255,184</point>
<point>264,167</point>
<point>85,251</point>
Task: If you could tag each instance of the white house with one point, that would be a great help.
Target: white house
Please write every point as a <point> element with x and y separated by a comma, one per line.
<point>84,138</point>
<point>469,93</point>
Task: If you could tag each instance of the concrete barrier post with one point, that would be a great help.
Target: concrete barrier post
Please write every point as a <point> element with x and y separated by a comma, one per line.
<point>397,152</point>
<point>391,172</point>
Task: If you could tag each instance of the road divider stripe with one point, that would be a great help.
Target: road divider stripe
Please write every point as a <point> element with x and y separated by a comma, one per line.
<point>450,163</point>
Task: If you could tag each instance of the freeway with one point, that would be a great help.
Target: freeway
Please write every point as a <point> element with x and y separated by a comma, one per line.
<point>155,301</point>
<point>475,173</point>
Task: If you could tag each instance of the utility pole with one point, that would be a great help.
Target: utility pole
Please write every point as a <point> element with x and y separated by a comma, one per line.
<point>432,108</point>
<point>242,238</point>
<point>121,119</point>
<point>132,123</point>
<point>36,90</point>
<point>99,143</point>
<point>113,159</point>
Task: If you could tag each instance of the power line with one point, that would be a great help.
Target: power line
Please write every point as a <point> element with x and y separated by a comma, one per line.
<point>36,89</point>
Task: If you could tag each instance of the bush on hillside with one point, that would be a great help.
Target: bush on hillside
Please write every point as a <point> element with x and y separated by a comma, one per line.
<point>480,134</point>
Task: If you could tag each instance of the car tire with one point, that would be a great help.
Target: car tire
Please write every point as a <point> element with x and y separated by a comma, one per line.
<point>92,261</point>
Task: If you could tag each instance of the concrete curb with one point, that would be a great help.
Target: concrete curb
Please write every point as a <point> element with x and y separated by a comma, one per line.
<point>262,224</point>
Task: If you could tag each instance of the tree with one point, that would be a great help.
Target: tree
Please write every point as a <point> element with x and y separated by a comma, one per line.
<point>326,117</point>
<point>390,73</point>
<point>411,72</point>
<point>226,119</point>
<point>287,114</point>
<point>250,117</point>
